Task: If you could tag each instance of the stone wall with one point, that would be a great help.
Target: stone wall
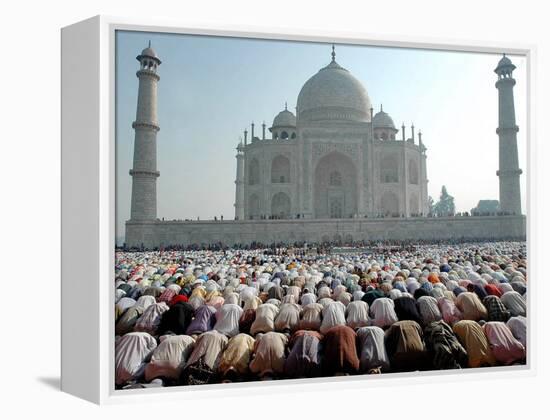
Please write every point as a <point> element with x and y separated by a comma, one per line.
<point>155,233</point>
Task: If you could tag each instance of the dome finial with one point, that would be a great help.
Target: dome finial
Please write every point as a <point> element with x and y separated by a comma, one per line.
<point>381,109</point>
<point>286,106</point>
<point>333,53</point>
<point>149,44</point>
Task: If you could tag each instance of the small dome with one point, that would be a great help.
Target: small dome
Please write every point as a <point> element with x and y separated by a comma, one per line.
<point>333,94</point>
<point>285,118</point>
<point>504,64</point>
<point>382,120</point>
<point>505,61</point>
<point>149,52</point>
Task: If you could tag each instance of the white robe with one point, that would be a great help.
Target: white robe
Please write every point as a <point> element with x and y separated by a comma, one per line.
<point>227,319</point>
<point>131,353</point>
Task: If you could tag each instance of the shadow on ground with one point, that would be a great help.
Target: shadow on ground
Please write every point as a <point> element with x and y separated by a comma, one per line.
<point>53,382</point>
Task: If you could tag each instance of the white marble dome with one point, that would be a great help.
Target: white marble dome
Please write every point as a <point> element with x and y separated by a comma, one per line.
<point>333,94</point>
<point>285,118</point>
<point>149,52</point>
<point>382,120</point>
<point>504,61</point>
<point>505,65</point>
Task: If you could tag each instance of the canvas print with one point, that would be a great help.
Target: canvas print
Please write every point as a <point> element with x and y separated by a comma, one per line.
<point>290,210</point>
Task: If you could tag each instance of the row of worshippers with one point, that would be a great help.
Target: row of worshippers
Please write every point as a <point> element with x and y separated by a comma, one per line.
<point>205,334</point>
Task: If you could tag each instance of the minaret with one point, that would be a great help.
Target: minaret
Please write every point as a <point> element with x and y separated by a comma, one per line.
<point>509,171</point>
<point>239,184</point>
<point>144,173</point>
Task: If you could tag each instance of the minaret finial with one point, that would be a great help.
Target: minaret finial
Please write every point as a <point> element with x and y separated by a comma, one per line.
<point>333,53</point>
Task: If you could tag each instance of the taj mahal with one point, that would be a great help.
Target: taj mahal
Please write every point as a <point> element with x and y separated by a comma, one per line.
<point>334,170</point>
<point>334,159</point>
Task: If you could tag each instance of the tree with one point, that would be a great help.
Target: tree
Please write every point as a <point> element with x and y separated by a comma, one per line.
<point>431,205</point>
<point>446,204</point>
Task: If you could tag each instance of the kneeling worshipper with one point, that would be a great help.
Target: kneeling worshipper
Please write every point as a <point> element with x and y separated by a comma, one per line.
<point>265,318</point>
<point>473,339</point>
<point>450,313</point>
<point>202,365</point>
<point>227,319</point>
<point>235,360</point>
<point>514,302</point>
<point>204,320</point>
<point>169,358</point>
<point>371,295</point>
<point>505,348</point>
<point>405,347</point>
<point>269,355</point>
<point>122,305</point>
<point>429,311</point>
<point>288,317</point>
<point>333,314</point>
<point>406,309</point>
<point>496,311</point>
<point>373,357</point>
<point>307,298</point>
<point>518,326</point>
<point>311,317</point>
<point>471,307</point>
<point>132,352</point>
<point>304,359</point>
<point>176,319</point>
<point>357,314</point>
<point>383,312</point>
<point>128,319</point>
<point>151,318</point>
<point>246,320</point>
<point>340,351</point>
<point>445,350</point>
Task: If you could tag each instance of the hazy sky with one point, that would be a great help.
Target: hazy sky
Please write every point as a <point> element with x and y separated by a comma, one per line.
<point>212,88</point>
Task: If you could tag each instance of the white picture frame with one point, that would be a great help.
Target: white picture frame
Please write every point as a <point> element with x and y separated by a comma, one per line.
<point>88,210</point>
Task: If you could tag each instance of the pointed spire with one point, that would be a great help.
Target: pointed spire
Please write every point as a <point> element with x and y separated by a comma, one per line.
<point>286,106</point>
<point>333,53</point>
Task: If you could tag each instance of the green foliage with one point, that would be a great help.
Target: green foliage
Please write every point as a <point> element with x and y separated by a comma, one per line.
<point>446,204</point>
<point>431,205</point>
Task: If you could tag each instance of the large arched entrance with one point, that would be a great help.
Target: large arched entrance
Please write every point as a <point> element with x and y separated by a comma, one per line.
<point>414,209</point>
<point>254,172</point>
<point>335,187</point>
<point>390,204</point>
<point>280,170</point>
<point>280,206</point>
<point>253,207</point>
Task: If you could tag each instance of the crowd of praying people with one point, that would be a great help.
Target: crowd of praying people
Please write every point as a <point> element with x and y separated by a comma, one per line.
<point>203,316</point>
